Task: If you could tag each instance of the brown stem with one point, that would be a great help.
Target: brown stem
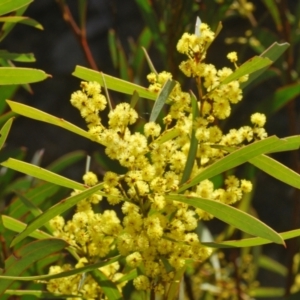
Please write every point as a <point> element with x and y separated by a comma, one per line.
<point>80,33</point>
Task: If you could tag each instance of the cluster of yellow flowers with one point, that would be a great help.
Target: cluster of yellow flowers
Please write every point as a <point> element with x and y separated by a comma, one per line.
<point>155,235</point>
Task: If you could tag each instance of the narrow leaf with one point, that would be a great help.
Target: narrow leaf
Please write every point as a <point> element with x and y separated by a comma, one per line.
<point>22,20</point>
<point>112,44</point>
<point>193,143</point>
<point>128,276</point>
<point>11,5</point>
<point>276,170</point>
<point>4,131</point>
<point>18,226</point>
<point>84,269</point>
<point>151,20</point>
<point>167,135</point>
<point>55,210</point>
<point>39,294</point>
<point>109,288</point>
<point>174,286</point>
<point>231,216</point>
<point>272,8</point>
<point>40,173</point>
<point>7,27</point>
<point>39,115</point>
<point>26,256</point>
<point>250,66</point>
<point>20,57</point>
<point>252,242</point>
<point>267,292</point>
<point>66,161</point>
<point>233,160</point>
<point>161,99</point>
<point>123,63</point>
<point>273,52</point>
<point>10,75</point>
<point>279,99</point>
<point>289,143</point>
<point>272,265</point>
<point>113,83</point>
<point>134,99</point>
<point>38,195</point>
<point>144,41</point>
<point>30,206</point>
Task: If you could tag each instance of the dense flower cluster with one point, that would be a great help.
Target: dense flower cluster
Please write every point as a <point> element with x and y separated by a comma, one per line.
<point>154,234</point>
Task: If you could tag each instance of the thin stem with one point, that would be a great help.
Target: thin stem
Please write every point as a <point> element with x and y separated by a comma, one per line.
<point>80,33</point>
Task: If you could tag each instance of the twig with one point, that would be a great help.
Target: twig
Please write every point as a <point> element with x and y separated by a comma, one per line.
<point>80,33</point>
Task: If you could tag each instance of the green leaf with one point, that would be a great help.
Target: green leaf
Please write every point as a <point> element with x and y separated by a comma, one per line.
<point>167,135</point>
<point>144,41</point>
<point>153,23</point>
<point>5,117</point>
<point>172,293</point>
<point>113,83</point>
<point>20,57</point>
<point>35,211</point>
<point>231,216</point>
<point>128,276</point>
<point>161,99</point>
<point>11,5</point>
<point>13,75</point>
<point>39,294</point>
<point>26,256</point>
<point>123,61</point>
<point>7,27</point>
<point>272,53</point>
<point>276,170</point>
<point>4,131</point>
<point>289,143</point>
<point>40,173</point>
<point>272,8</point>
<point>193,143</point>
<point>66,161</point>
<point>55,210</point>
<point>134,99</point>
<point>283,96</point>
<point>267,292</point>
<point>252,242</point>
<point>6,92</point>
<point>18,226</point>
<point>252,65</point>
<point>22,20</point>
<point>39,115</point>
<point>85,269</point>
<point>109,288</point>
<point>38,195</point>
<point>112,44</point>
<point>272,265</point>
<point>233,160</point>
